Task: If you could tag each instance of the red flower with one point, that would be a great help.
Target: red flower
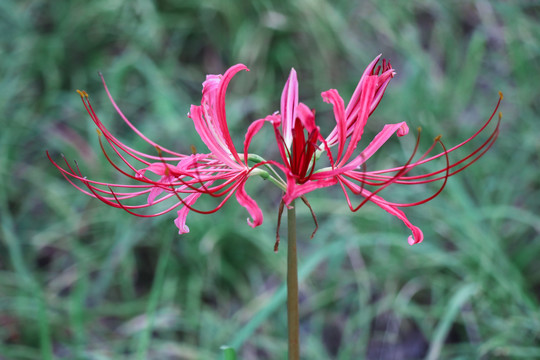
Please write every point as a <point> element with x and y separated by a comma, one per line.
<point>300,144</point>
<point>183,178</point>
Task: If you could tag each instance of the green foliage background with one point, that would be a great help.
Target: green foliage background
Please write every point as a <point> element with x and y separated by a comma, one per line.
<point>80,280</point>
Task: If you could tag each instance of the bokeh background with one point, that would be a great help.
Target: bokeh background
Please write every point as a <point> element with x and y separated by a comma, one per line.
<point>81,280</point>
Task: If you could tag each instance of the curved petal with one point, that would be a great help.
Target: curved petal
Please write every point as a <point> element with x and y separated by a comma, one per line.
<point>180,221</point>
<point>250,205</point>
<point>251,132</point>
<point>387,75</point>
<point>355,98</point>
<point>417,235</point>
<point>296,190</point>
<point>384,80</point>
<point>156,190</point>
<point>356,128</point>
<point>221,106</point>
<point>332,97</point>
<point>213,108</point>
<point>355,103</point>
<point>306,116</point>
<point>289,103</point>
<point>162,168</point>
<point>208,136</point>
<point>158,168</point>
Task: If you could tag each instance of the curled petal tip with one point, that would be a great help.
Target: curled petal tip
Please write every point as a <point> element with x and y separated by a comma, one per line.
<point>238,67</point>
<point>183,230</point>
<point>403,130</point>
<point>251,206</point>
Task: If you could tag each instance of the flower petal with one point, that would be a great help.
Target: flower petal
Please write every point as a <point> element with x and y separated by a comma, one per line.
<point>355,129</point>
<point>158,168</point>
<point>180,221</point>
<point>417,235</point>
<point>222,118</point>
<point>250,205</point>
<point>208,136</point>
<point>332,97</point>
<point>352,106</point>
<point>156,190</point>
<point>306,116</point>
<point>295,190</point>
<point>289,103</point>
<point>251,132</point>
<point>384,80</point>
<point>212,110</point>
<point>355,103</point>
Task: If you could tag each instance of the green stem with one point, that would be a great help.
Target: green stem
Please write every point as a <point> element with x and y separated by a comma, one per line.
<point>292,286</point>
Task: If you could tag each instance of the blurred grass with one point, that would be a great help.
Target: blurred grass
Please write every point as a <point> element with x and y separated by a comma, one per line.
<point>79,280</point>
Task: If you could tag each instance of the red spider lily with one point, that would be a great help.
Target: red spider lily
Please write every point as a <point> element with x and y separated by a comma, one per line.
<point>183,178</point>
<point>301,143</point>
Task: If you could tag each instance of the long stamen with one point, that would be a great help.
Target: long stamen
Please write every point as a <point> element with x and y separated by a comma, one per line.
<point>230,192</point>
<point>280,214</point>
<point>412,180</point>
<point>137,131</point>
<point>396,176</point>
<point>304,199</point>
<point>179,175</point>
<point>447,175</point>
<point>90,110</point>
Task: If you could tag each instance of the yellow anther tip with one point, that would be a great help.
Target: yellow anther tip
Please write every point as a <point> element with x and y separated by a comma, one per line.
<point>82,93</point>
<point>438,137</point>
<point>193,149</point>
<point>500,115</point>
<point>419,129</point>
<point>501,95</point>
<point>99,132</point>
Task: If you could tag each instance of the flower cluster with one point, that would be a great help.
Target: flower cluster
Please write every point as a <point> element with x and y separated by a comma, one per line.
<point>223,171</point>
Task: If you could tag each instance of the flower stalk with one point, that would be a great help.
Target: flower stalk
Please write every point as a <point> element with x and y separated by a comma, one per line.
<point>293,321</point>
